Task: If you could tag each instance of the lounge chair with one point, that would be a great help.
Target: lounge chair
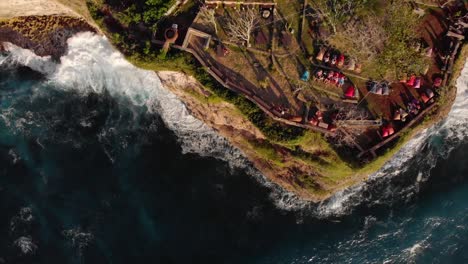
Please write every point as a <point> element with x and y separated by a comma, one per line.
<point>358,68</point>
<point>385,88</point>
<point>321,54</point>
<point>350,92</point>
<point>326,57</point>
<point>341,60</point>
<point>305,76</point>
<point>351,65</point>
<point>411,80</point>
<point>417,83</point>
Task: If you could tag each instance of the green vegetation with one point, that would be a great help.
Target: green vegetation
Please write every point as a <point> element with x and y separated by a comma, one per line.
<point>136,11</point>
<point>397,56</point>
<point>459,63</point>
<point>382,41</point>
<point>143,55</point>
<point>267,151</point>
<point>385,42</point>
<point>270,128</point>
<point>308,182</point>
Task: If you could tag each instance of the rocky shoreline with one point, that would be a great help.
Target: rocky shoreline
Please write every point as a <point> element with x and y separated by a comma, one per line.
<point>44,35</point>
<point>47,36</point>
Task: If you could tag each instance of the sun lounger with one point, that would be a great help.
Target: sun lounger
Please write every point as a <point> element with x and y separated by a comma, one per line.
<point>417,83</point>
<point>323,125</point>
<point>358,68</point>
<point>297,119</point>
<point>341,60</point>
<point>411,81</point>
<point>351,65</point>
<point>385,88</point>
<point>313,121</point>
<point>321,54</point>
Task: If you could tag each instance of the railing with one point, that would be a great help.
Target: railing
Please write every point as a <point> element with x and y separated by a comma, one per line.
<point>397,134</point>
<point>358,123</point>
<point>251,96</point>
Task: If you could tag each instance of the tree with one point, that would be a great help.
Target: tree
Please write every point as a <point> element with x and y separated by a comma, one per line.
<point>363,39</point>
<point>241,24</point>
<point>335,12</point>
<point>347,134</point>
<point>154,10</point>
<point>208,15</point>
<point>398,55</point>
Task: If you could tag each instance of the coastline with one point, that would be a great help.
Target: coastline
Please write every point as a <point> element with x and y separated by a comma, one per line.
<point>231,124</point>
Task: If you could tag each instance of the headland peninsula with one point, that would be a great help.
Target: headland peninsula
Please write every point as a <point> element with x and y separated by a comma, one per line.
<point>318,95</point>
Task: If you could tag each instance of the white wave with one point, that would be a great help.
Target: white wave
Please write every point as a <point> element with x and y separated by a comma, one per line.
<point>411,254</point>
<point>26,245</point>
<point>21,222</point>
<point>341,202</point>
<point>28,58</point>
<point>79,239</point>
<point>91,64</point>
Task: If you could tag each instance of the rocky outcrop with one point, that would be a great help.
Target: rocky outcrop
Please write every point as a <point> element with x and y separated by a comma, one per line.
<point>45,35</point>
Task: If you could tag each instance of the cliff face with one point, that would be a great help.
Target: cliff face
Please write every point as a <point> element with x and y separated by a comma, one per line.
<point>45,35</point>
<point>309,169</point>
<point>42,26</point>
<point>285,169</point>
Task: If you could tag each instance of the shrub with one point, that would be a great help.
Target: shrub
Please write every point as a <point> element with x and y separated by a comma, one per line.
<point>272,129</point>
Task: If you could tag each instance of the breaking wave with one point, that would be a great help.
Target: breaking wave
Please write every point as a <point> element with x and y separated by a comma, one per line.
<point>91,65</point>
<point>78,239</point>
<point>21,226</point>
<point>26,245</point>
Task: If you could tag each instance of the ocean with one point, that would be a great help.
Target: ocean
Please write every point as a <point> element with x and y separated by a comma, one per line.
<point>101,164</point>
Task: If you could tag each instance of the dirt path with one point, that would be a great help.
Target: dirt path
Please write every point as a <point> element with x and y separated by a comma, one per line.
<point>16,8</point>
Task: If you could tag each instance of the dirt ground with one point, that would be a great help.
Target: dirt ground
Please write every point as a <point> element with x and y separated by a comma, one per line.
<point>14,8</point>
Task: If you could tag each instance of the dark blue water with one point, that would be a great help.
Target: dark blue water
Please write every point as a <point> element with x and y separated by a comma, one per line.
<point>95,178</point>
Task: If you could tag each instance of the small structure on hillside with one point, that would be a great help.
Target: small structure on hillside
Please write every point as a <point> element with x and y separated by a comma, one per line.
<point>171,34</point>
<point>193,34</point>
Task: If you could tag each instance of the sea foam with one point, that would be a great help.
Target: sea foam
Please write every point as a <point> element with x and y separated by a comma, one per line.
<point>91,64</point>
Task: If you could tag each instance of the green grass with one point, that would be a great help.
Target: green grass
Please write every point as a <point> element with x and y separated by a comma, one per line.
<point>174,61</point>
<point>308,183</point>
<point>459,64</point>
<point>267,152</point>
